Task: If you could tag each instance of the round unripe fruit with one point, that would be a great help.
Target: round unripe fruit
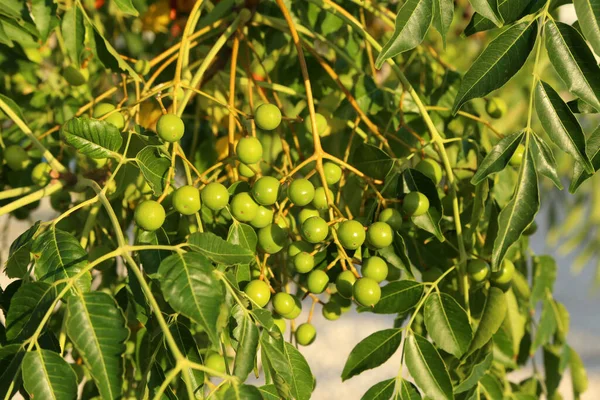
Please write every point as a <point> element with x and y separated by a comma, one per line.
<point>267,116</point>
<point>60,201</point>
<point>479,270</point>
<point>247,171</point>
<point>306,213</point>
<point>264,217</point>
<point>279,323</point>
<point>415,204</point>
<point>298,247</point>
<point>301,192</point>
<point>505,274</point>
<point>332,311</point>
<point>216,362</point>
<point>495,107</point>
<point>375,268</point>
<point>351,234</point>
<point>101,109</point>
<point>186,200</point>
<point>249,150</point>
<point>304,262</point>
<point>333,173</point>
<point>74,76</point>
<point>392,217</point>
<point>266,190</point>
<point>517,158</point>
<point>366,292</point>
<point>149,215</point>
<point>243,207</point>
<point>116,118</point>
<point>321,124</point>
<point>380,235</point>
<point>142,67</point>
<point>258,291</point>
<point>431,169</point>
<point>315,230</point>
<point>320,200</point>
<point>271,238</point>
<point>531,229</point>
<point>40,175</point>
<point>170,128</point>
<point>283,303</point>
<point>16,157</point>
<point>306,334</point>
<point>215,196</point>
<point>344,283</point>
<point>296,311</point>
<point>317,281</point>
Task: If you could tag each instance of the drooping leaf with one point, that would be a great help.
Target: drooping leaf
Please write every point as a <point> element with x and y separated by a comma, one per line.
<point>106,53</point>
<point>544,159</point>
<point>44,14</point>
<point>573,61</point>
<point>443,11</point>
<point>588,15</point>
<point>46,375</point>
<point>520,211</point>
<point>372,351</point>
<point>478,364</point>
<point>448,324</point>
<point>27,309</point>
<point>242,235</point>
<point>11,357</point>
<point>501,59</point>
<point>498,157</point>
<point>380,391</point>
<point>544,276</point>
<point>545,328</point>
<point>427,367</point>
<point>494,312</point>
<point>219,250</point>
<point>593,150</point>
<point>154,166</point>
<point>398,297</point>
<point>92,137</point>
<point>126,6</point>
<point>488,9</point>
<point>302,378</point>
<point>578,374</point>
<point>408,391</point>
<point>372,161</point>
<point>491,387</point>
<point>73,32</point>
<point>98,330</point>
<point>246,334</point>
<point>509,10</point>
<point>186,344</point>
<point>413,180</point>
<point>19,255</point>
<point>412,23</point>
<point>560,124</point>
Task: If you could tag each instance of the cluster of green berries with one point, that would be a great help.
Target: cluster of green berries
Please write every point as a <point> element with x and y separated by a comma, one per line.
<point>479,272</point>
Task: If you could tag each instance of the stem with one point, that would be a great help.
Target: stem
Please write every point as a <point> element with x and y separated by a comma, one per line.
<point>35,196</point>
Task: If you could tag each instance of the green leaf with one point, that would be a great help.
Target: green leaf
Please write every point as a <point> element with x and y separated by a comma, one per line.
<point>380,391</point>
<point>488,9</point>
<point>92,137</point>
<point>573,61</point>
<point>545,328</point>
<point>98,330</point>
<point>478,364</point>
<point>447,324</point>
<point>219,250</point>
<point>127,7</point>
<point>408,391</point>
<point>246,333</point>
<point>187,345</point>
<point>58,255</point>
<point>151,259</point>
<point>560,124</point>
<point>13,106</point>
<point>269,392</point>
<point>73,32</point>
<point>427,367</point>
<point>544,276</point>
<point>412,180</point>
<point>412,23</point>
<point>399,297</point>
<point>544,159</point>
<point>372,161</point>
<point>578,375</point>
<point>372,351</point>
<point>190,286</point>
<point>588,14</point>
<point>243,392</point>
<point>19,255</point>
<point>242,235</point>
<point>302,379</point>
<point>443,11</point>
<point>107,55</point>
<point>27,309</point>
<point>11,357</point>
<point>491,387</point>
<point>500,60</point>
<point>578,106</point>
<point>154,165</point>
<point>520,211</point>
<point>509,10</point>
<point>44,15</point>
<point>498,157</point>
<point>494,312</point>
<point>593,149</point>
<point>397,255</point>
<point>4,38</point>
<point>47,376</point>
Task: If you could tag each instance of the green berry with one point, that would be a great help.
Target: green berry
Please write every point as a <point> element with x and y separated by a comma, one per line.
<point>351,234</point>
<point>101,109</point>
<point>271,238</point>
<point>142,67</point>
<point>304,262</point>
<point>332,311</point>
<point>298,247</point>
<point>392,217</point>
<point>248,171</point>
<point>333,173</point>
<point>16,157</point>
<point>243,207</point>
<point>505,274</point>
<point>320,199</point>
<point>283,303</point>
<point>517,158</point>
<point>315,230</point>
<point>478,270</point>
<point>306,213</point>
<point>375,268</point>
<point>215,196</point>
<point>297,309</point>
<point>366,292</point>
<point>266,190</point>
<point>344,283</point>
<point>149,215</point>
<point>249,150</point>
<point>258,291</point>
<point>186,200</point>
<point>116,118</point>
<point>267,116</point>
<point>415,204</point>
<point>322,124</point>
<point>75,76</point>
<point>306,334</point>
<point>60,201</point>
<point>430,169</point>
<point>496,107</point>
<point>264,217</point>
<point>170,128</point>
<point>216,362</point>
<point>301,192</point>
<point>380,235</point>
<point>317,281</point>
<point>40,175</point>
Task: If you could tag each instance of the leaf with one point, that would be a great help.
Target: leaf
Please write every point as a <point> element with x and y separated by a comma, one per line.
<point>269,392</point>
<point>218,250</point>
<point>47,376</point>
<point>73,32</point>
<point>11,357</point>
<point>154,166</point>
<point>494,312</point>
<point>545,328</point>
<point>302,378</point>
<point>427,367</point>
<point>498,157</point>
<point>97,328</point>
<point>58,255</point>
<point>127,7</point>
<point>13,106</point>
<point>380,391</point>
<point>187,345</point>
<point>593,149</point>
<point>578,375</point>
<point>397,256</point>
<point>399,297</point>
<point>242,235</point>
<point>372,161</point>
<point>442,16</point>
<point>478,365</point>
<point>509,10</point>
<point>588,15</point>
<point>372,351</point>
<point>246,334</point>
<point>408,391</point>
<point>573,61</point>
<point>487,9</point>
<point>243,392</point>
<point>447,324</point>
<point>191,288</point>
<point>560,124</point>
<point>545,162</point>
<point>412,180</point>
<point>92,137</point>
<point>44,15</point>
<point>150,259</point>
<point>544,276</point>
<point>107,55</point>
<point>19,253</point>
<point>520,211</point>
<point>578,106</point>
<point>412,23</point>
<point>27,309</point>
<point>500,60</point>
<point>491,387</point>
